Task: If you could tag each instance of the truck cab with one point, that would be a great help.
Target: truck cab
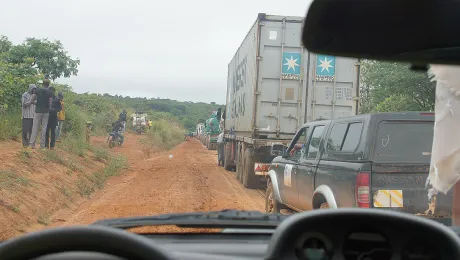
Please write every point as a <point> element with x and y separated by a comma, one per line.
<point>369,161</point>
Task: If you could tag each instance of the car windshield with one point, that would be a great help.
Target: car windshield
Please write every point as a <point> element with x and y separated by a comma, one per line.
<point>111,110</point>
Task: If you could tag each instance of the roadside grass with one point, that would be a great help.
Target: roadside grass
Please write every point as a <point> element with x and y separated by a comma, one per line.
<point>75,145</point>
<point>10,125</point>
<point>25,156</point>
<point>10,179</point>
<point>163,135</point>
<point>100,153</point>
<point>53,156</point>
<point>87,184</point>
<point>44,219</point>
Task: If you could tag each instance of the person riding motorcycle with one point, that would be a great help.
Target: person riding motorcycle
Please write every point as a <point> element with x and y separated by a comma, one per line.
<point>117,127</point>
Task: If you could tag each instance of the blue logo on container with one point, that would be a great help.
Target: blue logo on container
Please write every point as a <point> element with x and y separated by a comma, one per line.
<point>325,67</point>
<point>291,65</point>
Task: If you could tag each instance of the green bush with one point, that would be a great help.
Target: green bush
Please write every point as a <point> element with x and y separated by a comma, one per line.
<point>163,134</point>
<point>10,125</point>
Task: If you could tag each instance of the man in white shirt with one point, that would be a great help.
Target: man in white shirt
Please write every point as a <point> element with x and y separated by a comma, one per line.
<point>220,149</point>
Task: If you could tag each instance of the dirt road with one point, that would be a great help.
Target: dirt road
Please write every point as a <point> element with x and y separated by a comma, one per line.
<point>185,179</point>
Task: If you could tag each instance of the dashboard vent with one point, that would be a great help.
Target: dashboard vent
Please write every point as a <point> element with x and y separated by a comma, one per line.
<point>366,245</point>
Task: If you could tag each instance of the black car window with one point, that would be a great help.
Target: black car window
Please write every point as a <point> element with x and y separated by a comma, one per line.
<point>335,140</point>
<point>404,141</point>
<point>344,137</point>
<point>352,138</point>
<point>315,140</point>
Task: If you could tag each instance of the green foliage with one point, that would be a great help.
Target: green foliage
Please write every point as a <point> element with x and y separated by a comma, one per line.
<point>164,134</point>
<point>10,124</point>
<point>49,58</point>
<point>389,86</point>
<point>10,179</point>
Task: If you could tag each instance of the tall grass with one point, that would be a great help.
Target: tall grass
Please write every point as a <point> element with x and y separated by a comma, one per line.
<point>164,135</point>
<point>10,124</point>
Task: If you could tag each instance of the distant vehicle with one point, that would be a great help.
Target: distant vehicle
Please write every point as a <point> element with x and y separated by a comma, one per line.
<point>368,161</point>
<point>140,122</point>
<point>212,128</point>
<point>274,86</point>
<point>200,132</point>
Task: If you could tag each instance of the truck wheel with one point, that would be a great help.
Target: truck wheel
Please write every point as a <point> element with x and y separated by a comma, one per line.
<point>272,206</point>
<point>227,155</point>
<point>239,166</point>
<point>249,177</point>
<point>238,160</point>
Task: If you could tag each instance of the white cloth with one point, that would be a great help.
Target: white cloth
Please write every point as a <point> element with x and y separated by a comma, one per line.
<point>220,138</point>
<point>445,156</point>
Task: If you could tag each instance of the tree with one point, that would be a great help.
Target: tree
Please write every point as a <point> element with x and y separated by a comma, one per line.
<point>49,58</point>
<point>389,86</point>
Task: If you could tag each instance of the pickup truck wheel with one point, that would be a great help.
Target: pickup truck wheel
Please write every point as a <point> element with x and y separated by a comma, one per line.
<point>272,206</point>
<point>249,177</point>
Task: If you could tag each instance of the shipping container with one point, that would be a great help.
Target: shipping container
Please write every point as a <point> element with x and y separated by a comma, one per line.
<point>274,84</point>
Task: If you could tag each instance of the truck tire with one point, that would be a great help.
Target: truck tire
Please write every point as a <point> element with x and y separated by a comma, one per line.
<point>272,206</point>
<point>227,155</point>
<point>249,177</point>
<point>239,165</point>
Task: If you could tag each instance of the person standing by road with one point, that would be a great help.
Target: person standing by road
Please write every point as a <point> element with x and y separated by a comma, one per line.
<point>44,97</point>
<point>28,112</point>
<point>220,149</point>
<point>60,117</point>
<point>122,118</point>
<point>150,124</point>
<point>52,121</point>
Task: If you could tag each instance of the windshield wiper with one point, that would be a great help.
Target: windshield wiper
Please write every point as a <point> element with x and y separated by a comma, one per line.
<point>213,219</point>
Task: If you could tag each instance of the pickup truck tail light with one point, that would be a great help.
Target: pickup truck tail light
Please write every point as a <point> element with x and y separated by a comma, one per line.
<point>362,191</point>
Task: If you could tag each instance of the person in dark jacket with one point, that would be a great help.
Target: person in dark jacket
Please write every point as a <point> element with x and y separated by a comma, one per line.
<point>117,127</point>
<point>43,98</point>
<point>52,120</point>
<point>122,118</point>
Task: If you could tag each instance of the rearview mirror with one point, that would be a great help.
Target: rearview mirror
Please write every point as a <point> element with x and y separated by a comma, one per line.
<point>417,31</point>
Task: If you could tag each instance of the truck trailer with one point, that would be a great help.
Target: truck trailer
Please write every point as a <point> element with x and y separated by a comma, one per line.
<point>275,85</point>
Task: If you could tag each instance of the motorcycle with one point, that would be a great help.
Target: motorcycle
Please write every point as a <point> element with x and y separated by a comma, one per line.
<point>140,129</point>
<point>114,139</point>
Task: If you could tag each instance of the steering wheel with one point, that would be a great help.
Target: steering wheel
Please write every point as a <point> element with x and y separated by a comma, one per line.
<point>99,239</point>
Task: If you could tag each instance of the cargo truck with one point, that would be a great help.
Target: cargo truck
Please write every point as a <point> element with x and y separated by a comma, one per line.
<point>212,130</point>
<point>275,85</point>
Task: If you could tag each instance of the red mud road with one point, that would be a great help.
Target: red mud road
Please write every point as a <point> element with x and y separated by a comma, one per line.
<point>184,179</point>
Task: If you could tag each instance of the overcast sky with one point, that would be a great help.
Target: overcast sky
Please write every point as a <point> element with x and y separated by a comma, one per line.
<point>177,49</point>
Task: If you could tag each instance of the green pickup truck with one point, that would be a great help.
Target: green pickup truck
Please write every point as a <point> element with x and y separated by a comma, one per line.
<point>368,161</point>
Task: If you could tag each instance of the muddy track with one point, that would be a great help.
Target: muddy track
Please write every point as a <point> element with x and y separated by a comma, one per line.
<point>185,179</point>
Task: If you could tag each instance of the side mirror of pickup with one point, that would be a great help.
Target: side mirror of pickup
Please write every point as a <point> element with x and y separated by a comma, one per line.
<point>286,153</point>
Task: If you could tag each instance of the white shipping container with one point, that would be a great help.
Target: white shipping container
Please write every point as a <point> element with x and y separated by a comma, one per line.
<point>275,85</point>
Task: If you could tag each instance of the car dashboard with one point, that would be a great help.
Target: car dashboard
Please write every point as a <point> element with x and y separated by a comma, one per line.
<point>320,234</point>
